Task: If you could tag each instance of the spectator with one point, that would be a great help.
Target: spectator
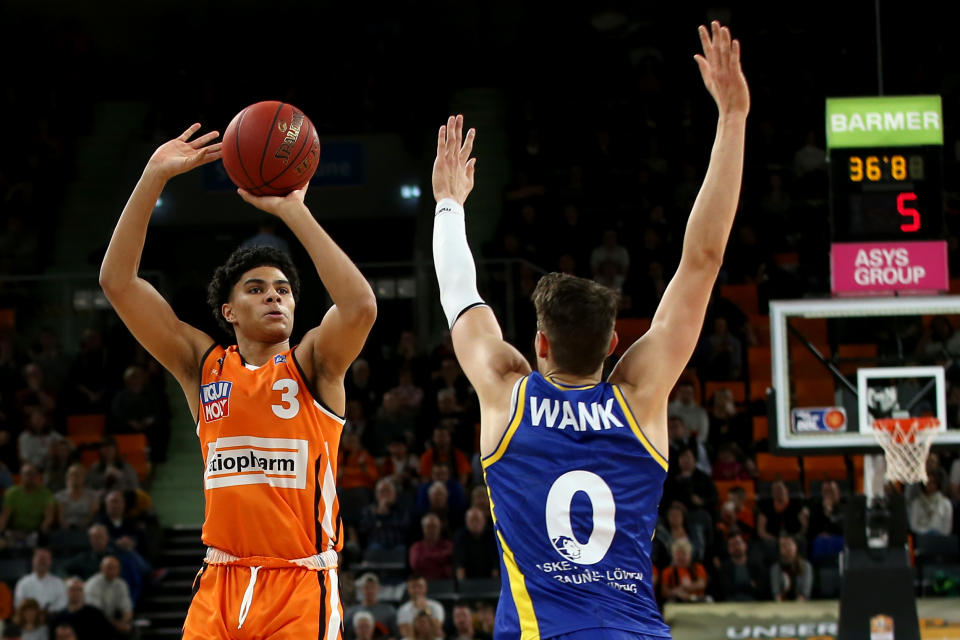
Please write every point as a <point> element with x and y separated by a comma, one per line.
<point>791,578</point>
<point>456,500</point>
<point>407,393</point>
<point>610,261</point>
<point>35,394</point>
<point>356,469</point>
<point>691,486</point>
<point>86,563</point>
<point>383,524</point>
<point>727,424</point>
<point>723,353</point>
<point>826,521</point>
<point>362,626</point>
<point>108,592</point>
<point>432,557</point>
<point>443,451</point>
<point>59,459</point>
<point>425,627</point>
<point>111,471</point>
<point>463,625</point>
<point>479,499</point>
<point>49,356</point>
<point>683,580</point>
<point>740,579</point>
<point>65,632</point>
<point>383,617</point>
<point>780,515</point>
<point>685,406</point>
<point>126,533</point>
<point>360,386</point>
<point>40,585</point>
<point>88,622</point>
<point>392,423</point>
<point>475,548</point>
<point>86,385</point>
<point>745,519</point>
<point>400,465</point>
<point>680,439</point>
<point>931,511</point>
<point>76,504</point>
<point>727,466</point>
<point>676,527</point>
<point>28,508</point>
<point>417,590</point>
<point>486,615</point>
<point>35,441</point>
<point>135,408</point>
<point>27,622</point>
<point>408,357</point>
<point>452,415</point>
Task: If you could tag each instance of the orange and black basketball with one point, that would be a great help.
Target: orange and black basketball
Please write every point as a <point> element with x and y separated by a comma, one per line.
<point>270,149</point>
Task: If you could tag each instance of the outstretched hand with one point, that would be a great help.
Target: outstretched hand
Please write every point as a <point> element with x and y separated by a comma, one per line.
<point>182,154</point>
<point>453,168</point>
<point>720,68</point>
<point>277,205</point>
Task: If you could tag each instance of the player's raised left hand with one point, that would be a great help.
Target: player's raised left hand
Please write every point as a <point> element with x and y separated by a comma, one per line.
<point>453,168</point>
<point>277,205</point>
<point>720,68</point>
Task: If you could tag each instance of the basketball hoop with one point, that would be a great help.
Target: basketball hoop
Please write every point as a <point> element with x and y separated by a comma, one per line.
<point>906,444</point>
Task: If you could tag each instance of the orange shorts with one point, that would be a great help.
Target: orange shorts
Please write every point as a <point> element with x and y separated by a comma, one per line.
<point>281,604</point>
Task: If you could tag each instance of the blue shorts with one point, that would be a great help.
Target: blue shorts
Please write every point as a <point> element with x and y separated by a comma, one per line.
<point>605,634</point>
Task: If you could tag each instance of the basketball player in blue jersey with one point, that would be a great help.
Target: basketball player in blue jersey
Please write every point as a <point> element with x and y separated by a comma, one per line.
<point>575,465</point>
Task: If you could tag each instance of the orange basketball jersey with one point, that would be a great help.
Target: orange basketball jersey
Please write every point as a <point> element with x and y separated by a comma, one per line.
<point>270,459</point>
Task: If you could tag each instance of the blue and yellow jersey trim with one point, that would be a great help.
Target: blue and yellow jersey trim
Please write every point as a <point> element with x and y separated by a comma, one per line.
<point>568,387</point>
<point>637,431</point>
<point>520,406</point>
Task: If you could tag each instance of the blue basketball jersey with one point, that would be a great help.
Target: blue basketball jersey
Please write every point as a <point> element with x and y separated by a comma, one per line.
<point>574,488</point>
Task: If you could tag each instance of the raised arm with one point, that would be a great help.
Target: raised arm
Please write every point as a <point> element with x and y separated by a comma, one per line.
<point>327,351</point>
<point>491,364</point>
<point>175,344</point>
<point>650,368</point>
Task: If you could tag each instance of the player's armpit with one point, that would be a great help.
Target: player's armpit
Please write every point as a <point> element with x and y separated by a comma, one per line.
<point>491,364</point>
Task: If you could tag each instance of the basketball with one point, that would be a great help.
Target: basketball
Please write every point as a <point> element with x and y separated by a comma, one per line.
<point>270,149</point>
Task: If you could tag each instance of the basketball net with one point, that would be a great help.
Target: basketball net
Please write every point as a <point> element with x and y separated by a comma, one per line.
<point>906,444</point>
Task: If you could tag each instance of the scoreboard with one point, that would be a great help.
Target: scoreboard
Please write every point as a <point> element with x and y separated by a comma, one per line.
<point>886,190</point>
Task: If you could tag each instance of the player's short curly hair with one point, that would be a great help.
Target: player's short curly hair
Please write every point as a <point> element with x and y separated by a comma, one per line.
<point>240,261</point>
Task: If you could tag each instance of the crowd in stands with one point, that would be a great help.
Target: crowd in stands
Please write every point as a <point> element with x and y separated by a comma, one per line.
<point>74,508</point>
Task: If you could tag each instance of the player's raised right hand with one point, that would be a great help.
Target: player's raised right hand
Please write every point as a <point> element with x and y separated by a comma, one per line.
<point>453,168</point>
<point>182,154</point>
<point>720,68</point>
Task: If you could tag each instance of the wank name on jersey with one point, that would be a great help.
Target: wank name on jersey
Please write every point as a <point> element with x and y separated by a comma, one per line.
<point>215,398</point>
<point>596,416</point>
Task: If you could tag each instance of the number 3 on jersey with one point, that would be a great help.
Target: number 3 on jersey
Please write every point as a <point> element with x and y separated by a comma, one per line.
<point>290,406</point>
<point>559,528</point>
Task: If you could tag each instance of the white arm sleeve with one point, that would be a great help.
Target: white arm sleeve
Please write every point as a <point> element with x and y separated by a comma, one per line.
<point>456,272</point>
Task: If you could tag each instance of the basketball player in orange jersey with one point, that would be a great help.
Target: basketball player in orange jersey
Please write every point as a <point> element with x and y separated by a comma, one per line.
<point>268,414</point>
<point>579,568</point>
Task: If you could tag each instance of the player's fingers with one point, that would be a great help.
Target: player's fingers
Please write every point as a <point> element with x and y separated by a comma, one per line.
<point>724,47</point>
<point>703,64</point>
<point>458,133</point>
<point>704,38</point>
<point>213,147</point>
<point>204,139</point>
<point>471,164</point>
<point>451,131</point>
<point>441,139</point>
<point>246,195</point>
<point>192,129</point>
<point>735,52</point>
<point>467,147</point>
<point>211,157</point>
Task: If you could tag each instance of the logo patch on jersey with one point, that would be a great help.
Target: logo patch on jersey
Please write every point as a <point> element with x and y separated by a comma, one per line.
<point>215,398</point>
<point>567,547</point>
<point>279,358</point>
<point>242,460</point>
